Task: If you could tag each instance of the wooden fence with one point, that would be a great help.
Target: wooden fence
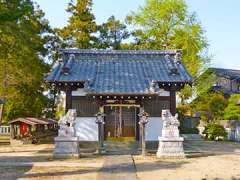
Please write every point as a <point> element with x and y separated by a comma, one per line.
<point>4,130</point>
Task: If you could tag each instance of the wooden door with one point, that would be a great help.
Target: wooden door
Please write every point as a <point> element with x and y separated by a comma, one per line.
<point>120,122</point>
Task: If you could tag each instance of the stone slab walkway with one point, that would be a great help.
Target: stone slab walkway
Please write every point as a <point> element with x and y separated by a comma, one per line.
<point>118,167</point>
<point>52,164</point>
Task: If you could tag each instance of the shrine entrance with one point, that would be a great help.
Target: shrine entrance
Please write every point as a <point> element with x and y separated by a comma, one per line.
<point>121,123</point>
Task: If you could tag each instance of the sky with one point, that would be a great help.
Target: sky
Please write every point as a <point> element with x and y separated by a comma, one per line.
<point>219,18</point>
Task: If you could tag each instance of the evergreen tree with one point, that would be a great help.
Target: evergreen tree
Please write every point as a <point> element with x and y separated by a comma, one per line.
<point>22,67</point>
<point>80,31</point>
<point>112,33</point>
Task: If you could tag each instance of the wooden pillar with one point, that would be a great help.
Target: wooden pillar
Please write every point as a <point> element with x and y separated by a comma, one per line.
<point>101,109</point>
<point>173,102</point>
<point>137,124</point>
<point>68,99</point>
<point>12,131</point>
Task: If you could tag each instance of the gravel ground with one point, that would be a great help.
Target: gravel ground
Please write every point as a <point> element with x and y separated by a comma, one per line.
<point>206,160</point>
<point>36,162</point>
<point>48,173</point>
<point>219,160</point>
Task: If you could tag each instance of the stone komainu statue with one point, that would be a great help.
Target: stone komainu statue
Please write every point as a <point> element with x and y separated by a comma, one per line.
<point>67,124</point>
<point>66,144</point>
<point>170,124</point>
<point>170,143</point>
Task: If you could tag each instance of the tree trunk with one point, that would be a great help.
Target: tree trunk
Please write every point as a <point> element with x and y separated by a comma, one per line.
<point>1,113</point>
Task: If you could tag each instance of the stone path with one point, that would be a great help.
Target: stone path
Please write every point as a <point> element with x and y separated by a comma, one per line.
<point>118,167</point>
<point>52,164</point>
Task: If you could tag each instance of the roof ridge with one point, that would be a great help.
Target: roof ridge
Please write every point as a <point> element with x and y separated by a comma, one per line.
<point>224,69</point>
<point>105,51</point>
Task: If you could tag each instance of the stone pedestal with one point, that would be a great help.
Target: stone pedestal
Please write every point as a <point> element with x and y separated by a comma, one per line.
<point>66,147</point>
<point>170,148</point>
<point>170,144</point>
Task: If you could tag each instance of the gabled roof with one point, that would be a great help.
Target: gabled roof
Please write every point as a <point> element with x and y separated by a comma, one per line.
<point>232,74</point>
<point>119,71</point>
<point>34,121</point>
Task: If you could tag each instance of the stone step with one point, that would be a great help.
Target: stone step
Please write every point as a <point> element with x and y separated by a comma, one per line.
<point>115,147</point>
<point>192,137</point>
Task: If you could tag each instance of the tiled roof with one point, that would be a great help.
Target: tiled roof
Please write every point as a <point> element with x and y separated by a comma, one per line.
<point>119,71</point>
<point>232,74</point>
<point>33,121</point>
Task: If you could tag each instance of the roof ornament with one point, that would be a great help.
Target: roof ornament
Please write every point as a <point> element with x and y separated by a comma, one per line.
<point>153,88</point>
<point>178,57</point>
<point>87,85</point>
<point>71,57</point>
<point>173,70</point>
<point>67,66</point>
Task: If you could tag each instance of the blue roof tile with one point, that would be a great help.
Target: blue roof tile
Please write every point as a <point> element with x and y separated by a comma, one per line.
<point>122,71</point>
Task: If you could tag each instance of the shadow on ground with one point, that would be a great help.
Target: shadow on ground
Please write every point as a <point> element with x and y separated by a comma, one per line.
<point>12,173</point>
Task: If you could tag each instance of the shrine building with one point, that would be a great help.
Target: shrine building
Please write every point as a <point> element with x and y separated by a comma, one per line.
<point>119,83</point>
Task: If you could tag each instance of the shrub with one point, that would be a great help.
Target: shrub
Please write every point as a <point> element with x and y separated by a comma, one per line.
<point>214,132</point>
<point>232,112</point>
<point>184,130</point>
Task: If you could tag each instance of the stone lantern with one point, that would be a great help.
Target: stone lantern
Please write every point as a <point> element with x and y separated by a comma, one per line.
<point>100,122</point>
<point>142,122</point>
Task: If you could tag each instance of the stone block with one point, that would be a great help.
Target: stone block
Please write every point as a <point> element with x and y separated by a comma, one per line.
<point>66,147</point>
<point>170,148</point>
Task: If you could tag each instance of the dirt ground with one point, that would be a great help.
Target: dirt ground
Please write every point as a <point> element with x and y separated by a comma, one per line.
<point>47,173</point>
<point>36,162</point>
<point>205,160</point>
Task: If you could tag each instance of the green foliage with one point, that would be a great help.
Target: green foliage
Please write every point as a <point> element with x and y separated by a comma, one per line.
<point>210,105</point>
<point>79,32</point>
<point>214,131</point>
<point>217,104</point>
<point>20,9</point>
<point>184,130</point>
<point>22,66</point>
<point>185,94</point>
<point>60,112</point>
<point>205,81</point>
<point>183,110</point>
<point>232,112</point>
<point>167,24</point>
<point>112,33</point>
